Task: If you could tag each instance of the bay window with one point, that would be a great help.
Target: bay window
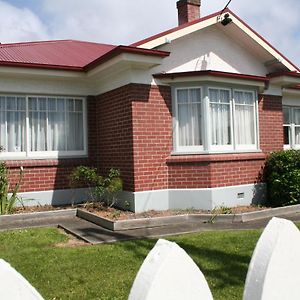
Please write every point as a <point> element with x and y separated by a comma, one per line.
<point>291,127</point>
<point>42,126</point>
<point>215,119</point>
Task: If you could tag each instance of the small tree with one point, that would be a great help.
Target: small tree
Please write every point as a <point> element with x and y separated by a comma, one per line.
<point>102,189</point>
<point>282,176</point>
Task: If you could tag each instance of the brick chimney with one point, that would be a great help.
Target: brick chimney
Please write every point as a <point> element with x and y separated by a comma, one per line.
<point>188,10</point>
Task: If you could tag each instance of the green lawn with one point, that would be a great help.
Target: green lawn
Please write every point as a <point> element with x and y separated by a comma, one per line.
<point>107,271</point>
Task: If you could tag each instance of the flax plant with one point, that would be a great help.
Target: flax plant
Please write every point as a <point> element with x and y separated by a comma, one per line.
<point>8,198</point>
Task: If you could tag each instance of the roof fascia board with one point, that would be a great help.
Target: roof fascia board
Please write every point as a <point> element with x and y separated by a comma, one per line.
<point>39,72</point>
<point>125,49</point>
<point>285,80</point>
<point>262,42</point>
<point>291,92</point>
<point>237,81</point>
<point>128,59</point>
<point>179,33</point>
<point>211,20</point>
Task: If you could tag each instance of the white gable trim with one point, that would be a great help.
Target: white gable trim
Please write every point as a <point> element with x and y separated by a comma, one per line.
<point>214,19</point>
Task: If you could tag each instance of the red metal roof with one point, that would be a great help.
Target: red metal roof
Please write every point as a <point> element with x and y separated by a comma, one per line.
<point>61,54</point>
<point>65,54</point>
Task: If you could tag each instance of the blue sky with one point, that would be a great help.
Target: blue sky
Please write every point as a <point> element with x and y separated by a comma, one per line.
<point>126,21</point>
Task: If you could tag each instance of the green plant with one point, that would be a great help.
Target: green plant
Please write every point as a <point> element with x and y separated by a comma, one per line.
<point>222,210</point>
<point>282,176</point>
<point>8,198</point>
<point>219,210</point>
<point>103,189</point>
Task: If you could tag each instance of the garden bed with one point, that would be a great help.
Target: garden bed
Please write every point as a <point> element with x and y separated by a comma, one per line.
<point>118,220</point>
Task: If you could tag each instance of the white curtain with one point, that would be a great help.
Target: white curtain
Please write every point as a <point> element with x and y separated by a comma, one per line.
<point>244,118</point>
<point>56,124</point>
<point>37,124</point>
<point>189,117</point>
<point>220,117</point>
<point>12,123</point>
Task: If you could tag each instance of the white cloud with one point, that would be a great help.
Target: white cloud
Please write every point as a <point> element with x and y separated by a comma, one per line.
<point>20,24</point>
<point>118,21</point>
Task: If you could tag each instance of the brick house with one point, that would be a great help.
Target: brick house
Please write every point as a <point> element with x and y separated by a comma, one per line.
<point>187,115</point>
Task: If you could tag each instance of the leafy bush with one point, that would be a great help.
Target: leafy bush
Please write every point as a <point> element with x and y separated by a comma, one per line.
<point>103,189</point>
<point>282,176</point>
<point>7,200</point>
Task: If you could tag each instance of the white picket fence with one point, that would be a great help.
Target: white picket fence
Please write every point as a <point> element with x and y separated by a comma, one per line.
<point>168,273</point>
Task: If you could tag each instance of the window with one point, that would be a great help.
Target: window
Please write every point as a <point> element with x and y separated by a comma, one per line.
<point>220,118</point>
<point>213,119</point>
<point>291,126</point>
<point>189,121</point>
<point>42,126</point>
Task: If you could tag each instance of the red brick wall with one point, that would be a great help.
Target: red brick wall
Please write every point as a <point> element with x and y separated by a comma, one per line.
<point>216,170</point>
<point>152,136</point>
<point>270,123</point>
<point>130,128</point>
<point>43,175</point>
<point>156,169</point>
<point>114,137</point>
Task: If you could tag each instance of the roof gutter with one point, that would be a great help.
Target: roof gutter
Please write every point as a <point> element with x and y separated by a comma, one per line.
<point>211,73</point>
<point>124,49</point>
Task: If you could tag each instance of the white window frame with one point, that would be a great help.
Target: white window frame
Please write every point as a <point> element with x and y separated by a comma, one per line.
<point>255,111</point>
<point>176,122</point>
<point>207,146</point>
<point>292,128</point>
<point>218,148</point>
<point>47,154</point>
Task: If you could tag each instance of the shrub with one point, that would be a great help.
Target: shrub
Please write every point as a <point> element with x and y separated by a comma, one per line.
<point>103,189</point>
<point>8,199</point>
<point>282,176</point>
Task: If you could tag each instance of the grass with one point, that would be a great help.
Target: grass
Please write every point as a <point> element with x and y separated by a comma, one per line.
<point>107,271</point>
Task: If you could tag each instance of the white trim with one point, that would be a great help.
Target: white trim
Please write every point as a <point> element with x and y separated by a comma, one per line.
<point>214,79</point>
<point>290,92</point>
<point>212,21</point>
<point>255,105</point>
<point>210,146</point>
<point>203,198</point>
<point>292,126</point>
<point>176,136</point>
<point>55,197</point>
<point>178,34</point>
<point>47,154</point>
<point>207,147</point>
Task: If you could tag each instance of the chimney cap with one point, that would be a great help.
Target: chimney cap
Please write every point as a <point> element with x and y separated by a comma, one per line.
<point>193,2</point>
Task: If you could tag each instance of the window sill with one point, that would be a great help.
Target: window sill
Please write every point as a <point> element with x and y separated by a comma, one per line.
<point>191,158</point>
<point>73,161</point>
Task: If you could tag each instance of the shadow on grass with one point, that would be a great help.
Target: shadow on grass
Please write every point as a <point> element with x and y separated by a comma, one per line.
<point>220,267</point>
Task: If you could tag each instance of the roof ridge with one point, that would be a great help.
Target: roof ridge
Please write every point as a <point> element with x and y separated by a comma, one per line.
<point>179,27</point>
